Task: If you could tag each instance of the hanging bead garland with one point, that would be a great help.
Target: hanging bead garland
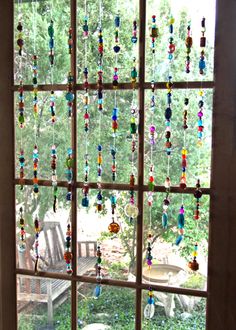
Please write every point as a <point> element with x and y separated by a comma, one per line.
<point>200,117</point>
<point>69,173</point>
<point>68,254</point>
<point>149,251</point>
<point>116,49</point>
<point>183,182</point>
<point>171,39</point>
<point>193,265</point>
<point>54,175</point>
<point>113,227</point>
<point>202,63</point>
<point>197,195</point>
<point>99,194</point>
<point>51,42</point>
<point>149,309</point>
<point>20,41</point>
<point>85,190</point>
<point>180,225</point>
<point>100,70</point>
<point>35,85</point>
<point>99,203</point>
<point>21,106</point>
<point>168,115</point>
<point>166,203</point>
<point>70,95</point>
<point>188,43</point>
<point>21,120</point>
<point>98,268</point>
<point>22,243</point>
<point>22,165</point>
<point>35,163</point>
<point>131,209</point>
<point>70,41</point>
<point>36,243</point>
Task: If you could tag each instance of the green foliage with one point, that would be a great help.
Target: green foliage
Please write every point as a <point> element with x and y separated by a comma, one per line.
<point>195,281</point>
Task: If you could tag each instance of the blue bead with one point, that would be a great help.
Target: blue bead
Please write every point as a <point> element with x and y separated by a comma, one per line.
<point>69,96</point>
<point>170,57</point>
<point>97,291</point>
<point>117,21</point>
<point>85,202</point>
<point>202,64</point>
<point>168,113</point>
<point>116,49</point>
<point>134,40</point>
<point>99,147</point>
<point>199,122</point>
<point>51,43</point>
<point>114,117</point>
<point>178,240</point>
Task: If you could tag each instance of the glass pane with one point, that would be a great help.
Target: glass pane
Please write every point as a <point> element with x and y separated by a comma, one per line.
<point>113,309</point>
<point>183,13</point>
<point>43,303</point>
<point>40,130</point>
<point>52,234</point>
<point>172,250</point>
<point>198,158</point>
<point>128,12</point>
<point>35,20</point>
<point>118,250</point>
<point>173,311</point>
<point>122,143</point>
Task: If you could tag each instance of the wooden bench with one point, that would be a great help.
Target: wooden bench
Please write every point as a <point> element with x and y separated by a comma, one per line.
<point>51,291</point>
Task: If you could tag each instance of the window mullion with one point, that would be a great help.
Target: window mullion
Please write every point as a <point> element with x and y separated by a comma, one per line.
<point>73,11</point>
<point>139,253</point>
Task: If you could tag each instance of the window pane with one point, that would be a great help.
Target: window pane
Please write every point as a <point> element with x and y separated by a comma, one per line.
<point>43,303</point>
<point>122,142</point>
<point>128,11</point>
<point>39,15</point>
<point>171,256</point>
<point>183,12</point>
<point>174,311</point>
<point>52,226</point>
<point>198,158</point>
<point>113,309</point>
<point>46,135</point>
<point>118,250</point>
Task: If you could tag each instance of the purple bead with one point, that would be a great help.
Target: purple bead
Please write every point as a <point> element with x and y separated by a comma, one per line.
<point>149,262</point>
<point>152,129</point>
<point>200,114</point>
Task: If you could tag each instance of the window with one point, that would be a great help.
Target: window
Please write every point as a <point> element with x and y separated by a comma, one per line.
<point>138,286</point>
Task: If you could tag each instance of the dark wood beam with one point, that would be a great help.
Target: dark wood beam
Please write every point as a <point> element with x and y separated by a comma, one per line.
<point>8,304</point>
<point>221,305</point>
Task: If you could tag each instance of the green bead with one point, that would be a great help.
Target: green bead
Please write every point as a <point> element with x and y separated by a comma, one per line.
<point>151,186</point>
<point>134,73</point>
<point>50,31</point>
<point>99,260</point>
<point>21,119</point>
<point>133,128</point>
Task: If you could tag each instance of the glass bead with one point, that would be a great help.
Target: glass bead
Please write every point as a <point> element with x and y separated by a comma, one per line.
<point>114,227</point>
<point>131,210</point>
<point>149,311</point>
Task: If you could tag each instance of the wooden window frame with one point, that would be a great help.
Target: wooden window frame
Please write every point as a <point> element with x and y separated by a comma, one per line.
<point>221,303</point>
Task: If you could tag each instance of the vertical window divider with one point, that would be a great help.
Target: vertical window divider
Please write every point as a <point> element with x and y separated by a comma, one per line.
<point>139,245</point>
<point>73,13</point>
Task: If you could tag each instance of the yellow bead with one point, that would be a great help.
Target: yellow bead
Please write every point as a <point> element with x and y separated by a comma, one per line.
<point>172,20</point>
<point>195,253</point>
